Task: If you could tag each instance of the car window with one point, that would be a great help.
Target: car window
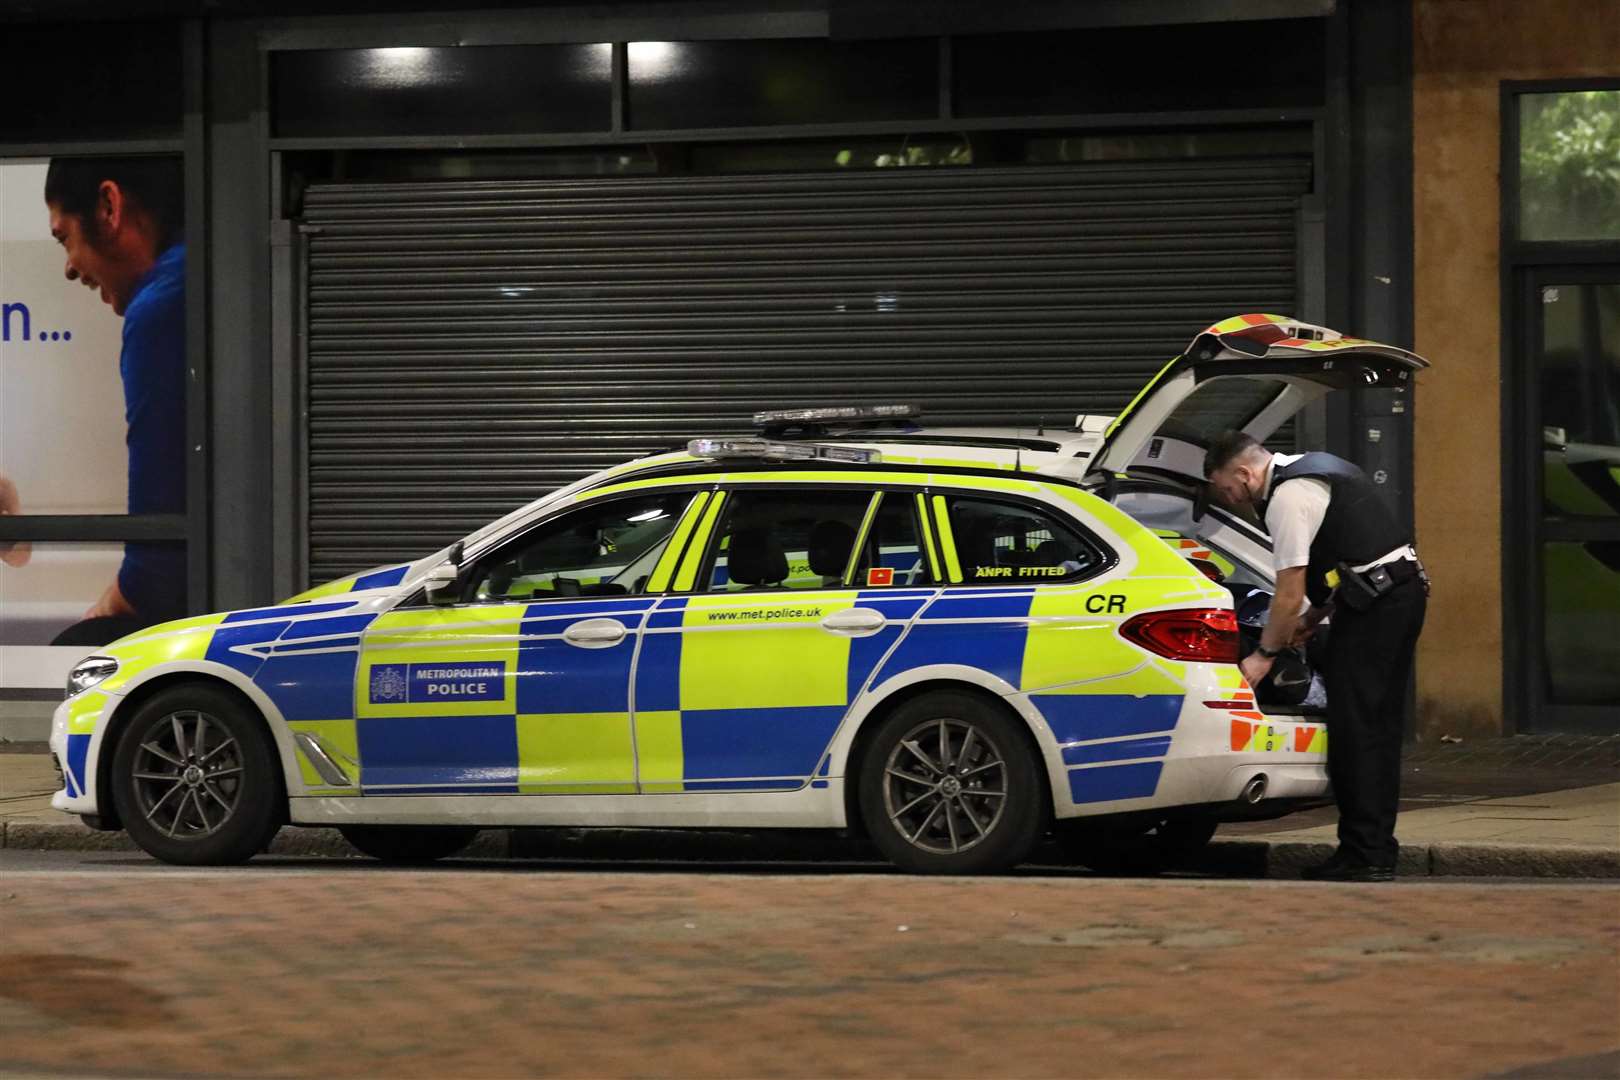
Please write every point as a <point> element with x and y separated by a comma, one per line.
<point>798,539</point>
<point>1211,541</point>
<point>998,542</point>
<point>893,553</point>
<point>605,549</point>
<point>1229,401</point>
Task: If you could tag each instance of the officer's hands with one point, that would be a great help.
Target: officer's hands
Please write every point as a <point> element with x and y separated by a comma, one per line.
<point>1307,625</point>
<point>12,553</point>
<point>1256,667</point>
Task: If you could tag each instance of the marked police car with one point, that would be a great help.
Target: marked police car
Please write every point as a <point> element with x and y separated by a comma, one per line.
<point>953,640</point>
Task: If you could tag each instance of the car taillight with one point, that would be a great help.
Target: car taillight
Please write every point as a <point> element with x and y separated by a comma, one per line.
<point>1206,635</point>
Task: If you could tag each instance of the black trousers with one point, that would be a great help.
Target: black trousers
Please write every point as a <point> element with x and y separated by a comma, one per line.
<point>1369,660</point>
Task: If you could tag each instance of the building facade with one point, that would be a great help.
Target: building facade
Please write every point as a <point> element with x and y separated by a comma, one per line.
<point>442,259</point>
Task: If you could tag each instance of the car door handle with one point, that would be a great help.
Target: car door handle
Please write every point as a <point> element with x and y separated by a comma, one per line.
<point>595,633</point>
<point>858,621</point>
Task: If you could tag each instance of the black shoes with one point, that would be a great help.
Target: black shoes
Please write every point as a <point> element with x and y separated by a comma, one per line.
<point>1341,868</point>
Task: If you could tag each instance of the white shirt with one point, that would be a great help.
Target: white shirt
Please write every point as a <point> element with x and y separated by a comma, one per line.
<point>1295,515</point>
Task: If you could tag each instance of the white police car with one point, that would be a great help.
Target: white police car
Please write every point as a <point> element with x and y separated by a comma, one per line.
<point>953,640</point>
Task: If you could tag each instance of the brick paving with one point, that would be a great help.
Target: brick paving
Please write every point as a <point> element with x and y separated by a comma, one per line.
<point>1552,751</point>
<point>478,971</point>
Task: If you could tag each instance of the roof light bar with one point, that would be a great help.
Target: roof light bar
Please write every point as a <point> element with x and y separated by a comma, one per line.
<point>779,451</point>
<point>780,417</point>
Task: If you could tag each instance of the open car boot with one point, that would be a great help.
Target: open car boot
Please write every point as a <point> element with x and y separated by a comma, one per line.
<point>1295,683</point>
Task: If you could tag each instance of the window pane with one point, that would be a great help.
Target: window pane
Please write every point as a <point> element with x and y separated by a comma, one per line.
<point>804,155</point>
<point>1236,142</point>
<point>787,539</point>
<point>310,166</point>
<point>710,84</point>
<point>1580,400</point>
<point>1221,403</point>
<point>87,594</point>
<point>1582,583</point>
<point>893,548</point>
<point>997,542</point>
<point>606,550</point>
<point>1579,380</point>
<point>113,79</point>
<point>1271,63</point>
<point>92,383</point>
<point>468,90</point>
<point>1569,166</point>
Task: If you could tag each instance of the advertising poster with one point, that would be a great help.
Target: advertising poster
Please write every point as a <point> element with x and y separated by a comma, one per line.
<point>92,399</point>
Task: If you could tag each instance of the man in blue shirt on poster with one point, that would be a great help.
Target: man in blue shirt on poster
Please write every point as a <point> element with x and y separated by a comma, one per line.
<point>120,222</point>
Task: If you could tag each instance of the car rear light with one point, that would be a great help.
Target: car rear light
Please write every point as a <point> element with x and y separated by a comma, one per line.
<point>1204,635</point>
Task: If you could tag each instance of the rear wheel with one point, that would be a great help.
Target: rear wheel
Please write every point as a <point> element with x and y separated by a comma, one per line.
<point>196,780</point>
<point>1150,848</point>
<point>948,785</point>
<point>409,843</point>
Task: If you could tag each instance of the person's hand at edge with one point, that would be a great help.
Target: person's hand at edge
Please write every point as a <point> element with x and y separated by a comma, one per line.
<point>12,552</point>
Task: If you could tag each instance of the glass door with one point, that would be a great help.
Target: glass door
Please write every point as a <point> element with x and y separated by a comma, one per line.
<point>1573,347</point>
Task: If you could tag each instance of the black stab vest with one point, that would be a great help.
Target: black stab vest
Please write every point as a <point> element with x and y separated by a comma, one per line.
<point>1358,528</point>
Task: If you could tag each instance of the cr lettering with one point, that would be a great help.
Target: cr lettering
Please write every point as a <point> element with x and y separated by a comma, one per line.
<point>1110,603</point>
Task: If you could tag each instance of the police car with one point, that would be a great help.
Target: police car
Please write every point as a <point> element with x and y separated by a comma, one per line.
<point>952,640</point>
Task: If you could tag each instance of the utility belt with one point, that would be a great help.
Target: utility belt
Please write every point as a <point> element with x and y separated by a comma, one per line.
<point>1360,589</point>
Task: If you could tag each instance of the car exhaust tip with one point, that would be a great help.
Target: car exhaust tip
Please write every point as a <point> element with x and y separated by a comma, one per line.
<point>1254,790</point>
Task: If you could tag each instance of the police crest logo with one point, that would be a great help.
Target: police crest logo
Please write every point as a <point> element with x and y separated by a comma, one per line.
<point>388,682</point>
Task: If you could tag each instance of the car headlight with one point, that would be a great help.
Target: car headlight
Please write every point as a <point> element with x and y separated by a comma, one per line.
<point>90,671</point>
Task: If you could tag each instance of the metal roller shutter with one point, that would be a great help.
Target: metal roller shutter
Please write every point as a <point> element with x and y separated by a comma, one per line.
<point>474,344</point>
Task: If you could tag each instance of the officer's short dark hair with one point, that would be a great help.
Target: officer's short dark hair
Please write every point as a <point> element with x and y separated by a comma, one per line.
<point>1228,446</point>
<point>155,184</point>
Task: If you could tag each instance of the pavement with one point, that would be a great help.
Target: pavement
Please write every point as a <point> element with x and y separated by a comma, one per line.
<point>1527,806</point>
<point>116,966</point>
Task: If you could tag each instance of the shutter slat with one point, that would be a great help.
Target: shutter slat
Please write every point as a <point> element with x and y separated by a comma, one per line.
<point>473,344</point>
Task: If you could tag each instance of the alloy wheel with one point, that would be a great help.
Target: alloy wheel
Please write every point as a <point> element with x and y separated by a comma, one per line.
<point>945,786</point>
<point>187,775</point>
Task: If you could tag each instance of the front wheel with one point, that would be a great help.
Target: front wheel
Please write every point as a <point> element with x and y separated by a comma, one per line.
<point>408,843</point>
<point>949,785</point>
<point>196,780</point>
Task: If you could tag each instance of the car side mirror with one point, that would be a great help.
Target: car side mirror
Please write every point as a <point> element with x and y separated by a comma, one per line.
<point>440,583</point>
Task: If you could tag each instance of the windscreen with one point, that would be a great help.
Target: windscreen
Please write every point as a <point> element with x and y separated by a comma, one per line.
<point>1217,404</point>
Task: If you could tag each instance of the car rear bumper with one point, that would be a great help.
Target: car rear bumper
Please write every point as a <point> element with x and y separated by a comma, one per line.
<point>1232,761</point>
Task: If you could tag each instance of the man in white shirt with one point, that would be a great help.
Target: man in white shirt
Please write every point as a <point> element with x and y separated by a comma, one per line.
<point>1337,547</point>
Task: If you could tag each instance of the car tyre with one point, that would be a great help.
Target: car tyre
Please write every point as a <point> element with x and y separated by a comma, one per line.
<point>1168,844</point>
<point>949,785</point>
<point>196,780</point>
<point>409,843</point>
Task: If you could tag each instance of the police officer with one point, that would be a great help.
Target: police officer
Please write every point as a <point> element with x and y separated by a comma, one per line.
<point>1336,542</point>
